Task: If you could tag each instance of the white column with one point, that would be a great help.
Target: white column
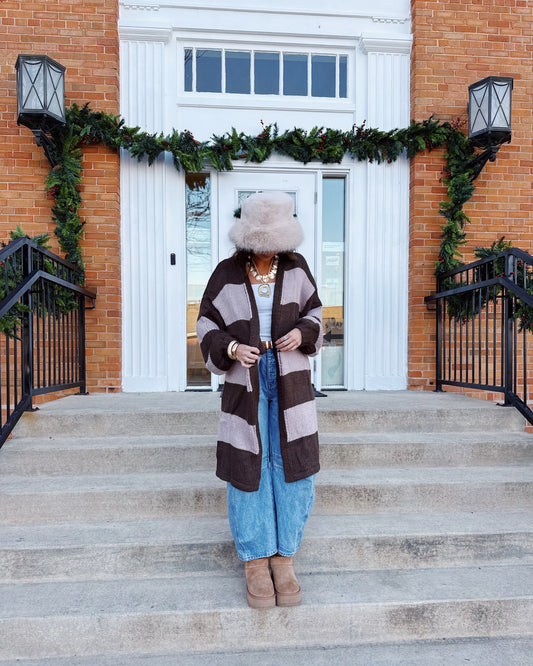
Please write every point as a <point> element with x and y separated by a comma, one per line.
<point>387,218</point>
<point>143,230</point>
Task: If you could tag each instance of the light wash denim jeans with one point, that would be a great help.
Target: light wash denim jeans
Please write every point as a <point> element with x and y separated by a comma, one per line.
<point>272,519</point>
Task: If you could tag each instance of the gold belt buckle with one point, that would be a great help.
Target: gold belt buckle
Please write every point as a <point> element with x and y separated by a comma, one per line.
<point>267,344</point>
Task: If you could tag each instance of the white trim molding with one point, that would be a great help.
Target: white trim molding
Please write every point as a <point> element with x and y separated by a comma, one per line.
<point>386,43</point>
<point>138,34</point>
<point>140,7</point>
<point>390,19</point>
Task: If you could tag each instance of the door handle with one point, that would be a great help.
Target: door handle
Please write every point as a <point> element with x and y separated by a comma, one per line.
<point>172,259</point>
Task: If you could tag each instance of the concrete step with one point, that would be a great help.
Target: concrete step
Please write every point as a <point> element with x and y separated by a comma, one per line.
<point>47,499</point>
<point>209,612</point>
<point>166,548</point>
<point>115,546</point>
<point>163,453</point>
<point>152,414</point>
<point>443,652</point>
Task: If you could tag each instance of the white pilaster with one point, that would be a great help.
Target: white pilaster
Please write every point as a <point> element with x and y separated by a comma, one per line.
<point>387,221</point>
<point>143,218</point>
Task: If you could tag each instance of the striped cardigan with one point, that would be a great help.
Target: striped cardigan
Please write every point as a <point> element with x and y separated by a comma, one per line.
<point>228,312</point>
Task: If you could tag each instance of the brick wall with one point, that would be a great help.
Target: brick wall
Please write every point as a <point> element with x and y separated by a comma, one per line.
<point>83,37</point>
<point>456,44</point>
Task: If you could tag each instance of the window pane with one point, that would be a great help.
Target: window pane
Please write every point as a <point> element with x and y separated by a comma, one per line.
<point>198,242</point>
<point>294,74</point>
<point>188,69</point>
<point>208,71</point>
<point>343,72</point>
<point>266,73</point>
<point>332,292</point>
<point>238,72</point>
<point>323,76</point>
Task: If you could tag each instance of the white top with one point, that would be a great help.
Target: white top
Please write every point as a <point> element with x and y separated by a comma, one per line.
<point>264,308</point>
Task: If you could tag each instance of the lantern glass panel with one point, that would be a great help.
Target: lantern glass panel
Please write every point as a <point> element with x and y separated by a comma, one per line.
<point>55,91</point>
<point>33,85</point>
<point>501,105</point>
<point>479,109</point>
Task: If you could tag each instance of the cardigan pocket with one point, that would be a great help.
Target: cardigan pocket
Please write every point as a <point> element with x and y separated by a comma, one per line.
<point>292,361</point>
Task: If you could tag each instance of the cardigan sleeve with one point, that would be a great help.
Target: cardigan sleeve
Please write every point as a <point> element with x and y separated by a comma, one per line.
<point>310,321</point>
<point>211,330</point>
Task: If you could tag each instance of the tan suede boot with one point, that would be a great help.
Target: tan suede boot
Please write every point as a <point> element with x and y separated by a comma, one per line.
<point>288,592</point>
<point>259,587</point>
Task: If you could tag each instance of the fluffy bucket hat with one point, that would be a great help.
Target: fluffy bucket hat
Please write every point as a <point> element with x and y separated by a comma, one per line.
<point>267,224</point>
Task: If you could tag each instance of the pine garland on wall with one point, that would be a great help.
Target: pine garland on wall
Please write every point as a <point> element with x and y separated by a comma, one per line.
<point>85,127</point>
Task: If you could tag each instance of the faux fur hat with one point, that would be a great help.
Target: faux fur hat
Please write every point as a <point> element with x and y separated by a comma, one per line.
<point>267,224</point>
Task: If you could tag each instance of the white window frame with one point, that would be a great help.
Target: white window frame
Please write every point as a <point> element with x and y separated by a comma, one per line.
<point>254,100</point>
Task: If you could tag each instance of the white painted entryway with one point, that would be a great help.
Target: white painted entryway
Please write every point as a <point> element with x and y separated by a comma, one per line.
<point>370,47</point>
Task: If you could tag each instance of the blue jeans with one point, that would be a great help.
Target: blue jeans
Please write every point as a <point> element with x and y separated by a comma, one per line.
<point>272,519</point>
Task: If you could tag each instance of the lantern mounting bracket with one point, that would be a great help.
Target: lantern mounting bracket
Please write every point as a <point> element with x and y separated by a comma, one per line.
<point>478,162</point>
<point>48,144</point>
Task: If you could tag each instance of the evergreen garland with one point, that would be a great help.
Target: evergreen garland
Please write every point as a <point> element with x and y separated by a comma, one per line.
<point>85,127</point>
<point>10,278</point>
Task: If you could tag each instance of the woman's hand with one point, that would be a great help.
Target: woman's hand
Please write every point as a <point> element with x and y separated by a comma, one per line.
<point>247,355</point>
<point>290,342</point>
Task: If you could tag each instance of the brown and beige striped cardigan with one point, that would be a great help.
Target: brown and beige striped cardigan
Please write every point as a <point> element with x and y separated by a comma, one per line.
<point>228,312</point>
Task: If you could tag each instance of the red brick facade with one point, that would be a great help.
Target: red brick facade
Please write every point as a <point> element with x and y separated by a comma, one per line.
<point>456,44</point>
<point>83,37</point>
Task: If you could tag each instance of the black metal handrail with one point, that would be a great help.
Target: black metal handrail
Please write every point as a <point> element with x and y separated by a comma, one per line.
<point>42,328</point>
<point>484,314</point>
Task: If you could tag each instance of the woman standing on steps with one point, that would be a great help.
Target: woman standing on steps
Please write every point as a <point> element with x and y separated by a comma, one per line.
<point>259,321</point>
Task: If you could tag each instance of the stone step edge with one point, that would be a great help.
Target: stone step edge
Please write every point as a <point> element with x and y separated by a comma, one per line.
<point>206,479</point>
<point>392,438</point>
<point>210,529</point>
<point>219,592</point>
<point>352,626</point>
<point>486,650</point>
<point>472,420</point>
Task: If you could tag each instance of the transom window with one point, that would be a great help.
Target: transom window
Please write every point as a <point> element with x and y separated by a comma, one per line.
<point>265,73</point>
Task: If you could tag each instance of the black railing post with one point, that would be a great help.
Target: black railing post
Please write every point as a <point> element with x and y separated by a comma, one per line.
<point>81,345</point>
<point>438,333</point>
<point>508,337</point>
<point>27,332</point>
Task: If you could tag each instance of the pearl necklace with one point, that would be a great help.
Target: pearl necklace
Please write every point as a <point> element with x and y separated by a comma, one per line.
<point>264,289</point>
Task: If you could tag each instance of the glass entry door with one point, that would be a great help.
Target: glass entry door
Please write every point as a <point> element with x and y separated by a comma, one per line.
<point>211,200</point>
<point>208,242</point>
<point>332,288</point>
<point>233,188</point>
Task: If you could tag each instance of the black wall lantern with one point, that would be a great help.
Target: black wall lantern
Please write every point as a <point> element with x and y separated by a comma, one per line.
<point>41,99</point>
<point>489,117</point>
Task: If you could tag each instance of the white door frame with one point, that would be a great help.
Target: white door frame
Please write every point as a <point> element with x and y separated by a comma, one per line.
<point>261,177</point>
<point>368,284</point>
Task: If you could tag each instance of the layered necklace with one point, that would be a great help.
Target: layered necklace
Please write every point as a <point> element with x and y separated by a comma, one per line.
<point>264,287</point>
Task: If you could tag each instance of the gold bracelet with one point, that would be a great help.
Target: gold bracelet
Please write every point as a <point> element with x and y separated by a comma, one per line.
<point>232,348</point>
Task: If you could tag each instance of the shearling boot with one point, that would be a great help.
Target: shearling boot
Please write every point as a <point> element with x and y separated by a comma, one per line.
<point>288,592</point>
<point>259,587</point>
